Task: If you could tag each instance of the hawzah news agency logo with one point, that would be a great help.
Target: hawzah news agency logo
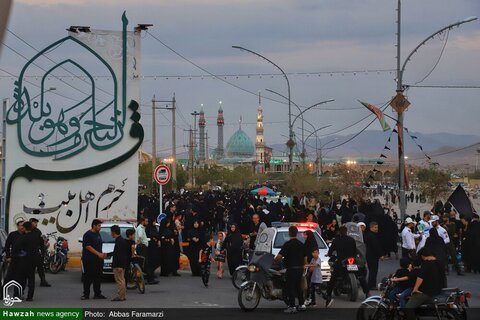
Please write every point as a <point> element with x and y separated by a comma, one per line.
<point>8,300</point>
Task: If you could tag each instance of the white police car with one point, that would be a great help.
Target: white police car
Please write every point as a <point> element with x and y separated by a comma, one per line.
<point>272,239</point>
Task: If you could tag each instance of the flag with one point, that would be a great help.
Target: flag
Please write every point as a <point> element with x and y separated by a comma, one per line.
<point>459,199</point>
<point>380,116</point>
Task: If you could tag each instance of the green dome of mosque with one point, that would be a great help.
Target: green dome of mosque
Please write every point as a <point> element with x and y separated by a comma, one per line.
<point>240,145</point>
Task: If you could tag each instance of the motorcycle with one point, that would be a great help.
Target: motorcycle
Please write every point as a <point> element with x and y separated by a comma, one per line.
<point>58,258</point>
<point>353,267</point>
<point>348,283</point>
<point>264,280</point>
<point>451,303</point>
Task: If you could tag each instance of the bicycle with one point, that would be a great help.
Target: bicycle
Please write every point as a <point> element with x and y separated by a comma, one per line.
<point>134,275</point>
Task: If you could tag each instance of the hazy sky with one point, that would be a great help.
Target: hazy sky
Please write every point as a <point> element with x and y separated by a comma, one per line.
<point>304,37</point>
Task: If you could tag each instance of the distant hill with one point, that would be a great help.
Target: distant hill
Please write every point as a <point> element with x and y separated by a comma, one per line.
<point>371,144</point>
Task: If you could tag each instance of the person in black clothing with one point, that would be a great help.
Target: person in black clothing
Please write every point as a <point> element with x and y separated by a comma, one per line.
<point>92,261</point>
<point>437,247</point>
<point>310,244</point>
<point>293,255</point>
<point>430,281</point>
<point>374,253</point>
<point>167,249</point>
<point>153,250</point>
<point>131,251</point>
<point>7,250</point>
<point>233,243</point>
<point>195,240</point>
<point>41,253</point>
<point>345,247</point>
<point>119,262</point>
<point>25,251</point>
<point>205,259</point>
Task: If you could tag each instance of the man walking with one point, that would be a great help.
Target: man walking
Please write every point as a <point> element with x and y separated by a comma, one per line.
<point>10,260</point>
<point>374,253</point>
<point>40,253</point>
<point>119,263</point>
<point>295,259</point>
<point>142,248</point>
<point>92,261</point>
<point>25,251</point>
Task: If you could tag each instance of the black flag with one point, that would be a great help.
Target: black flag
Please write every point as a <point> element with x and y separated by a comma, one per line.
<point>461,202</point>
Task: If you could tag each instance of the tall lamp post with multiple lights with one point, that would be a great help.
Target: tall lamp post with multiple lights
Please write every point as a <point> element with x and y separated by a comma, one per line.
<point>399,103</point>
<point>290,142</point>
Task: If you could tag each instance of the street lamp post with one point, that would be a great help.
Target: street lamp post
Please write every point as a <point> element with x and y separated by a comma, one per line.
<point>400,103</point>
<point>300,114</point>
<point>290,142</point>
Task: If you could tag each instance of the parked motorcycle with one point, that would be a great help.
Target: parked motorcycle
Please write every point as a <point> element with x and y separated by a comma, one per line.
<point>451,303</point>
<point>58,258</point>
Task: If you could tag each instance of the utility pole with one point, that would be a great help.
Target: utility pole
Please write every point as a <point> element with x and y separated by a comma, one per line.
<point>206,147</point>
<point>154,144</point>
<point>174,140</point>
<point>174,144</point>
<point>190,155</point>
<point>399,103</point>
<point>194,114</point>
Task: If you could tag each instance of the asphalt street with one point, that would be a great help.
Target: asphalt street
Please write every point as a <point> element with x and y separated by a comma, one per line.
<point>188,292</point>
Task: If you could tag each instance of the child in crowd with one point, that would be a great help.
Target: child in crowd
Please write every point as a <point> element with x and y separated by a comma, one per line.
<point>205,259</point>
<point>220,254</point>
<point>405,279</point>
<point>314,267</point>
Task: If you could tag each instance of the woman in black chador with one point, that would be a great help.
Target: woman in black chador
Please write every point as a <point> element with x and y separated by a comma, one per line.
<point>196,240</point>
<point>233,243</point>
<point>167,248</point>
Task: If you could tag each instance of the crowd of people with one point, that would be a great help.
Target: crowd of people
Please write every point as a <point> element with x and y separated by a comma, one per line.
<point>213,228</point>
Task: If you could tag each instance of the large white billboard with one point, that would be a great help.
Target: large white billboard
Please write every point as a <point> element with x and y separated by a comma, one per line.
<point>71,149</point>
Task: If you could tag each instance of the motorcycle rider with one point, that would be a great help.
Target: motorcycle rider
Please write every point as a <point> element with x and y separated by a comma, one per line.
<point>345,247</point>
<point>430,281</point>
<point>295,259</point>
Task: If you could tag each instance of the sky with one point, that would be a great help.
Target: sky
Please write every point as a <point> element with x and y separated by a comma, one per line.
<point>343,50</point>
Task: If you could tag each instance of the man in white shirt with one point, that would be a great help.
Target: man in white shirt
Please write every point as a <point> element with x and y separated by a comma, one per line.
<point>425,224</point>
<point>408,238</point>
<point>441,231</point>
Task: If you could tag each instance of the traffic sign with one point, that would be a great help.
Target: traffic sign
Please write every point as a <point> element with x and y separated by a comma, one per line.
<point>162,174</point>
<point>399,103</point>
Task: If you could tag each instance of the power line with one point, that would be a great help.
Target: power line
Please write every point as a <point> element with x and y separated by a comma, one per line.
<point>442,86</point>
<point>357,134</point>
<point>449,152</point>
<point>438,60</point>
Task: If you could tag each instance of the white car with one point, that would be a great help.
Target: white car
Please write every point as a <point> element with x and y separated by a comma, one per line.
<point>109,241</point>
<point>279,233</point>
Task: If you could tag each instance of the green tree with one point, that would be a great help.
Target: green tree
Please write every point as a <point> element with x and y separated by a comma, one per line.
<point>348,181</point>
<point>433,183</point>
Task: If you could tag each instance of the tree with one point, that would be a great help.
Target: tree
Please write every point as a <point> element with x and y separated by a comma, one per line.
<point>300,181</point>
<point>348,181</point>
<point>433,183</point>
